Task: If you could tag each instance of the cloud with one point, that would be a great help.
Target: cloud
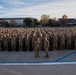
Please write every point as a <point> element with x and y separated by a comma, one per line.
<point>55,8</point>
<point>16,3</point>
<point>1,7</point>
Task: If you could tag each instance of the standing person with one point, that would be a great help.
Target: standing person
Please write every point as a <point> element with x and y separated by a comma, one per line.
<point>27,40</point>
<point>33,40</point>
<point>63,42</point>
<point>24,43</point>
<point>20,40</point>
<point>55,38</point>
<point>13,42</point>
<point>37,47</point>
<point>5,42</point>
<point>59,42</point>
<point>51,41</point>
<point>0,43</point>
<point>24,46</point>
<point>30,42</point>
<point>72,41</point>
<point>41,40</point>
<point>75,42</point>
<point>9,42</point>
<point>69,41</point>
<point>66,40</point>
<point>46,46</point>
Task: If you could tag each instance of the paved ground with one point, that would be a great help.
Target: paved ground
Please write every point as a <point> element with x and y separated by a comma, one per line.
<point>55,56</point>
<point>28,57</point>
<point>38,70</point>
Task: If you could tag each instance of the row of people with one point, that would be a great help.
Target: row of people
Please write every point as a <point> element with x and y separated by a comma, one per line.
<point>17,39</point>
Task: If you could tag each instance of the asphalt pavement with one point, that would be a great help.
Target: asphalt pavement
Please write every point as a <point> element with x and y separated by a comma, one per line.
<point>22,63</point>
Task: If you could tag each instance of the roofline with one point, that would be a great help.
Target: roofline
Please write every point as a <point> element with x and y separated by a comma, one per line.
<point>10,18</point>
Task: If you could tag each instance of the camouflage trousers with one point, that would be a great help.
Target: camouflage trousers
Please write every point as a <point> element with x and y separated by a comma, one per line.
<point>46,52</point>
<point>0,47</point>
<point>37,52</point>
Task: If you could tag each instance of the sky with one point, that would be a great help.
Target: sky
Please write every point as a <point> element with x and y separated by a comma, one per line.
<point>36,8</point>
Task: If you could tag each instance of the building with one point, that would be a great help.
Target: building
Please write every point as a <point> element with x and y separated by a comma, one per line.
<point>19,21</point>
<point>70,21</point>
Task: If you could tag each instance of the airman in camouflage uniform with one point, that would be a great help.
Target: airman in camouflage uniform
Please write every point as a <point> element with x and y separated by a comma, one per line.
<point>46,46</point>
<point>72,41</point>
<point>59,42</point>
<point>63,42</point>
<point>68,41</point>
<point>13,42</point>
<point>34,38</point>
<point>75,41</point>
<point>55,41</point>
<point>37,47</point>
<point>9,41</point>
<point>0,43</point>
<point>20,40</point>
<point>5,42</point>
<point>41,40</point>
<point>27,40</point>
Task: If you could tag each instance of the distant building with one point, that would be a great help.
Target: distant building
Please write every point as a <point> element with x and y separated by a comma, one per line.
<point>71,21</point>
<point>19,21</point>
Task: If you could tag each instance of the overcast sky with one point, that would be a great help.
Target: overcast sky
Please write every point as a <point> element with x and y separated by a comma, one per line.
<point>35,8</point>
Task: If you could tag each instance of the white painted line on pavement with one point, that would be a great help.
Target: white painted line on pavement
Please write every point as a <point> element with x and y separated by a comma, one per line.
<point>42,63</point>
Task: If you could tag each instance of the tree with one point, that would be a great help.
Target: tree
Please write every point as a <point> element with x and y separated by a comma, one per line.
<point>50,22</point>
<point>64,20</point>
<point>7,24</point>
<point>36,22</point>
<point>55,22</point>
<point>13,22</point>
<point>44,19</point>
<point>4,23</point>
<point>28,21</point>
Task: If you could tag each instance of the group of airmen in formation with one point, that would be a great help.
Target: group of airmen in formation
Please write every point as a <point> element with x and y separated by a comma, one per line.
<point>36,39</point>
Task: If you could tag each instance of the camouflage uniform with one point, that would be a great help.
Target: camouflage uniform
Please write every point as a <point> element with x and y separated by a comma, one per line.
<point>20,40</point>
<point>55,42</point>
<point>63,42</point>
<point>9,43</point>
<point>59,42</point>
<point>13,43</point>
<point>72,41</point>
<point>37,47</point>
<point>27,43</point>
<point>0,44</point>
<point>5,43</point>
<point>69,42</point>
<point>46,47</point>
<point>41,40</point>
<point>66,39</point>
<point>25,48</point>
<point>34,38</point>
<point>75,42</point>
